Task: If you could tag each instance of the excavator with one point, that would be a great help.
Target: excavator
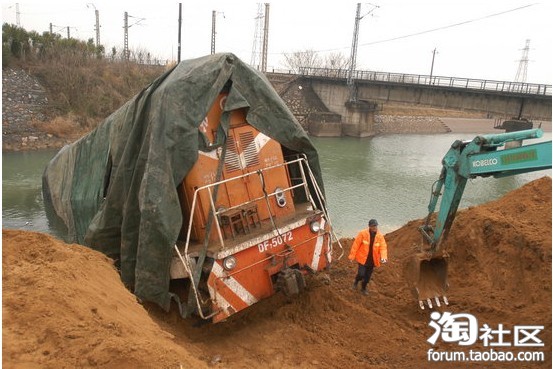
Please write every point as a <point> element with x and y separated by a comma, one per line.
<point>426,271</point>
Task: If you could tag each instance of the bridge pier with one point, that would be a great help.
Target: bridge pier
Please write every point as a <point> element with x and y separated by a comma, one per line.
<point>358,120</point>
<point>324,124</point>
<point>485,98</point>
<point>513,125</point>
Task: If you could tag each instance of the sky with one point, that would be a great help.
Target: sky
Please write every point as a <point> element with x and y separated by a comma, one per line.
<point>482,39</point>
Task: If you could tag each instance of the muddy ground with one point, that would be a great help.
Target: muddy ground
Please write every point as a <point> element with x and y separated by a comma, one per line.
<point>65,307</point>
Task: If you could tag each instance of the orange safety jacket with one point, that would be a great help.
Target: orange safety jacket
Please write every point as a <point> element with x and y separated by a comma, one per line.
<point>360,248</point>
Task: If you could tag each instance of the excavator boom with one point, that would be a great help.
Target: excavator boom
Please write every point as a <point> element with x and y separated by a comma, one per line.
<point>426,272</point>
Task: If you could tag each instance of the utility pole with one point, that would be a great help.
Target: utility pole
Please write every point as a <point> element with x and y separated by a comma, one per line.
<point>432,66</point>
<point>265,39</point>
<point>97,24</point>
<point>180,27</point>
<point>213,20</point>
<point>353,56</point>
<point>126,52</point>
<point>97,14</point>
<point>60,29</point>
<point>126,36</point>
<point>17,15</point>
<point>213,28</point>
<point>523,64</point>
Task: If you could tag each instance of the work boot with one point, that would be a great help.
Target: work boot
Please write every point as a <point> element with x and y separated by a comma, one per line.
<point>365,292</point>
<point>354,286</point>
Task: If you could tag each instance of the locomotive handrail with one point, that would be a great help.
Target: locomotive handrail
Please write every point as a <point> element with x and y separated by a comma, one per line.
<point>184,256</point>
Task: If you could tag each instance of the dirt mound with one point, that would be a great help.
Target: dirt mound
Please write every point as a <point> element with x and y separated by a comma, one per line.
<point>64,306</point>
<point>509,248</point>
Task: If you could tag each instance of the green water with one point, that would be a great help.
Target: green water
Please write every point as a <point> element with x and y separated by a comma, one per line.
<point>388,178</point>
<point>22,206</point>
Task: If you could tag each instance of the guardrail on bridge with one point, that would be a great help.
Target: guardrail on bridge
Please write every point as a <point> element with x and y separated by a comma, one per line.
<point>417,79</point>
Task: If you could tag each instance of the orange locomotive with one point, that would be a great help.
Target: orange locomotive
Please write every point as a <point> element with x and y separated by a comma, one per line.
<point>252,226</point>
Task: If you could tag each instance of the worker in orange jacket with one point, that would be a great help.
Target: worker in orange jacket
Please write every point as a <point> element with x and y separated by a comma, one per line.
<point>369,250</point>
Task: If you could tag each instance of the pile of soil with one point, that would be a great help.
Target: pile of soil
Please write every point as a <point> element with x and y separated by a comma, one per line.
<point>64,305</point>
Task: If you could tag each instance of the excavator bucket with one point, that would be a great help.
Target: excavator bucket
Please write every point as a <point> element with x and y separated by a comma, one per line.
<point>427,278</point>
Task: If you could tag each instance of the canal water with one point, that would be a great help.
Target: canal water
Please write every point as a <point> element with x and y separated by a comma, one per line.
<point>387,177</point>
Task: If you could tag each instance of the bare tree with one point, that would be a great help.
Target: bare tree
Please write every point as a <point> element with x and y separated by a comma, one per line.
<point>299,60</point>
<point>336,61</point>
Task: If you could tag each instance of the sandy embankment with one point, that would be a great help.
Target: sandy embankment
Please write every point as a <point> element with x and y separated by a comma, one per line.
<point>64,306</point>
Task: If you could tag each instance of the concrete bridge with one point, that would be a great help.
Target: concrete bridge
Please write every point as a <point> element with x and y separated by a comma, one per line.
<point>322,100</point>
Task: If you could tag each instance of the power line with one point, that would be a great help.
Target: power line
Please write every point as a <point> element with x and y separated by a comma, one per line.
<point>411,34</point>
<point>431,30</point>
<point>60,28</point>
<point>449,26</point>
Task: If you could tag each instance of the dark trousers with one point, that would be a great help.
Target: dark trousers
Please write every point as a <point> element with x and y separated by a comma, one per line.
<point>364,273</point>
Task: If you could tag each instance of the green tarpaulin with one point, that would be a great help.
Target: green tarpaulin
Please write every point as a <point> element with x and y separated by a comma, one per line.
<point>115,188</point>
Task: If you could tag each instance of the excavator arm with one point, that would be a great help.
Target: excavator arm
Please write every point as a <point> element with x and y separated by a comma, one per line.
<point>427,271</point>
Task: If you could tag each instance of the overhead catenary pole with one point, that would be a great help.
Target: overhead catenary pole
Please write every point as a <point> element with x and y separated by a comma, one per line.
<point>17,15</point>
<point>353,55</point>
<point>213,20</point>
<point>180,27</point>
<point>126,26</point>
<point>97,23</point>
<point>126,36</point>
<point>432,66</point>
<point>97,14</point>
<point>265,40</point>
<point>214,28</point>
<point>61,29</point>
